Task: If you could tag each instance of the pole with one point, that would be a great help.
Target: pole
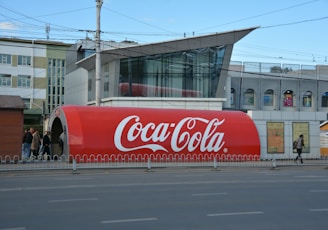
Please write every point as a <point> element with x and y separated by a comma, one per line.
<point>98,57</point>
<point>149,164</point>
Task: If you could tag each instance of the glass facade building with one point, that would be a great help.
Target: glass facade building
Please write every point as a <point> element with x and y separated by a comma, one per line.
<point>193,68</point>
<point>193,73</point>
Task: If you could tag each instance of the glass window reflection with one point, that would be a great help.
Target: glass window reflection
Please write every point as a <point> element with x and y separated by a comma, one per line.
<point>181,74</point>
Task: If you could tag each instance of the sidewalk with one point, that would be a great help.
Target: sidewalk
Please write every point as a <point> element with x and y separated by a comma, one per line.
<point>58,164</point>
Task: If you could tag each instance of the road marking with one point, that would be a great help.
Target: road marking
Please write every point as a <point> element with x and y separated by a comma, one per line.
<point>319,210</point>
<point>18,228</point>
<point>209,194</point>
<point>318,190</point>
<point>73,179</point>
<point>235,213</point>
<point>179,183</point>
<point>308,176</point>
<point>72,200</point>
<point>128,220</point>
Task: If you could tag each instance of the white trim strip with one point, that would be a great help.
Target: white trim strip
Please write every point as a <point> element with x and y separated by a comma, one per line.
<point>318,190</point>
<point>128,220</point>
<point>71,200</point>
<point>18,228</point>
<point>209,194</point>
<point>235,213</point>
<point>319,210</point>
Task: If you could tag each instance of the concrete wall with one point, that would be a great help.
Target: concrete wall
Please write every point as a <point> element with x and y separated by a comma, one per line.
<point>76,87</point>
<point>261,118</point>
<point>173,103</point>
<point>11,124</point>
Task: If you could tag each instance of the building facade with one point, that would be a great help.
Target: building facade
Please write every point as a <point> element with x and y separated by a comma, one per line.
<point>284,100</point>
<point>189,71</point>
<point>33,70</point>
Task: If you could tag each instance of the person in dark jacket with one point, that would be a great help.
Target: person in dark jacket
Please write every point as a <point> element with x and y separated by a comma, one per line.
<point>27,141</point>
<point>46,145</point>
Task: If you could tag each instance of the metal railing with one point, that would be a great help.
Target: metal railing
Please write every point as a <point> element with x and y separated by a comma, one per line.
<point>10,163</point>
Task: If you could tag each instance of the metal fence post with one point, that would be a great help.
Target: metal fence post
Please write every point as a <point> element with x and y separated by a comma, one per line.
<point>215,163</point>
<point>274,165</point>
<point>74,165</point>
<point>149,164</point>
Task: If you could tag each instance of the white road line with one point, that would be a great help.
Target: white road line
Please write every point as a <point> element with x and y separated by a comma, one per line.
<point>209,194</point>
<point>180,183</point>
<point>73,179</point>
<point>235,213</point>
<point>18,228</point>
<point>128,220</point>
<point>319,210</point>
<point>309,176</point>
<point>72,200</point>
<point>318,190</point>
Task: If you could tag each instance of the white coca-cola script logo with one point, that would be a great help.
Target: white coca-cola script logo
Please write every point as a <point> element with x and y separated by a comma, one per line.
<point>185,135</point>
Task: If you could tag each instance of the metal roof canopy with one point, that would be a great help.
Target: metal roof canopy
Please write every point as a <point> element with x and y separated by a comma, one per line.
<point>11,102</point>
<point>190,43</point>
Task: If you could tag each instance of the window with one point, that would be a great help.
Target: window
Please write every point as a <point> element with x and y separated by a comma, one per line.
<point>268,98</point>
<point>232,96</point>
<point>307,99</point>
<point>288,98</point>
<point>89,84</point>
<point>5,80</point>
<point>249,97</point>
<point>324,99</point>
<point>55,74</point>
<point>24,81</point>
<point>24,60</point>
<point>26,102</point>
<point>5,59</point>
<point>106,86</point>
<point>192,73</point>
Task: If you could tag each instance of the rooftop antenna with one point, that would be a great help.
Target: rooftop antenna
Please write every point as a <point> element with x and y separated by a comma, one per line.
<point>48,30</point>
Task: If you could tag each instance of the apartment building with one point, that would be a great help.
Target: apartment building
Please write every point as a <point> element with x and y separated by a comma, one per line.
<point>35,71</point>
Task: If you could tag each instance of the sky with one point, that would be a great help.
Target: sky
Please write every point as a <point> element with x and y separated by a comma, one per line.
<point>290,31</point>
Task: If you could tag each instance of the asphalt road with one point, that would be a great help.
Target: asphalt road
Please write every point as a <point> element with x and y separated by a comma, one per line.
<point>289,198</point>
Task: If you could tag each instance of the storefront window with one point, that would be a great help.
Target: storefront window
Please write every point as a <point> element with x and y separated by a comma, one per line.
<point>288,98</point>
<point>268,98</point>
<point>307,99</point>
<point>324,99</point>
<point>249,97</point>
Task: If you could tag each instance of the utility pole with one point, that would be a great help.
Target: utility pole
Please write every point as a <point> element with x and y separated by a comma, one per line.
<point>98,58</point>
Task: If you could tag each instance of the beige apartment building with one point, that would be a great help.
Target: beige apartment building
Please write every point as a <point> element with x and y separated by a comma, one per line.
<point>35,71</point>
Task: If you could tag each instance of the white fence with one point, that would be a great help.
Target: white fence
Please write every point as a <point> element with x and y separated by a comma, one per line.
<point>9,163</point>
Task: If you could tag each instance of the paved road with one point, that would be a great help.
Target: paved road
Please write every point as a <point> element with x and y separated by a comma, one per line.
<point>289,198</point>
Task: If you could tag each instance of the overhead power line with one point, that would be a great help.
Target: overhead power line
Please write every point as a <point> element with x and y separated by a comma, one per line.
<point>294,23</point>
<point>259,15</point>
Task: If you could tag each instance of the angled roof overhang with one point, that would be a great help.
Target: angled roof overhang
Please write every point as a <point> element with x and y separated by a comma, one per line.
<point>11,102</point>
<point>211,40</point>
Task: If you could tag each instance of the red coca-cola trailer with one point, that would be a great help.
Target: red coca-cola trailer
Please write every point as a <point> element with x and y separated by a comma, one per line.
<point>123,133</point>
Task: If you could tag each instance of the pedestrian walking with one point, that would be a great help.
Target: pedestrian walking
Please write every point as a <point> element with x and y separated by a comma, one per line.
<point>27,141</point>
<point>36,141</point>
<point>299,148</point>
<point>46,146</point>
